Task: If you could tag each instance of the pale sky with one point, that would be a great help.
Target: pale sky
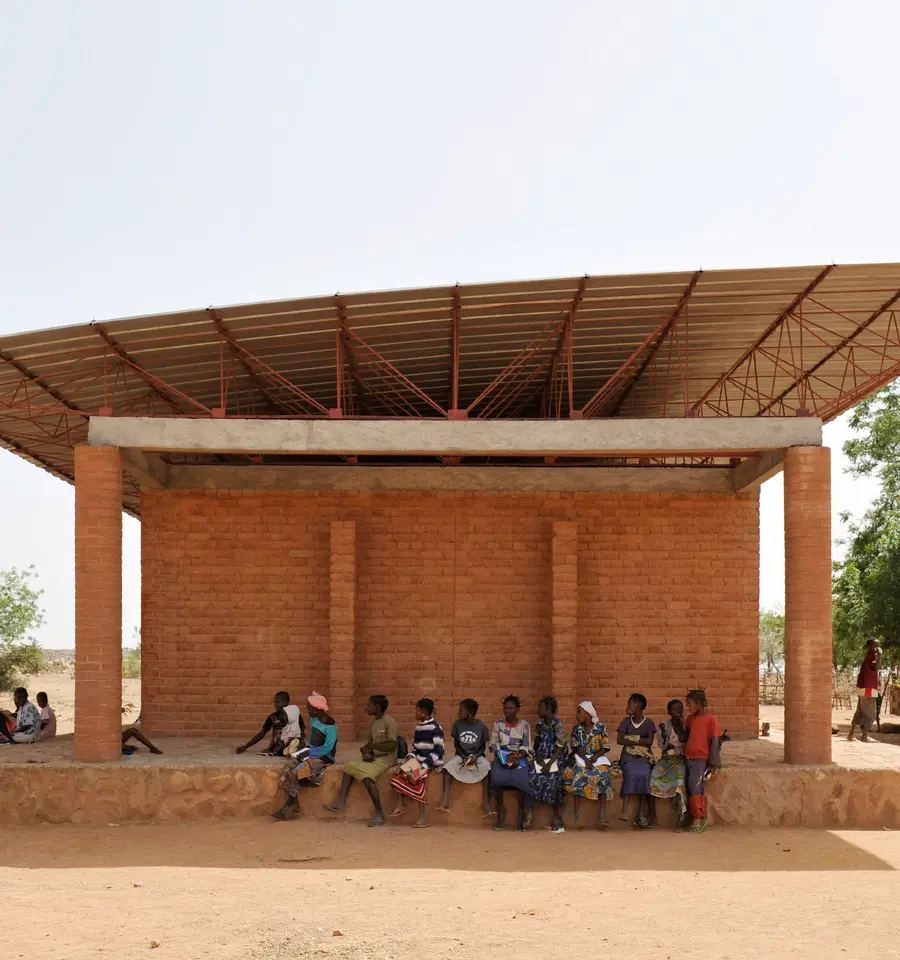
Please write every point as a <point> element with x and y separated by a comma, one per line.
<point>168,156</point>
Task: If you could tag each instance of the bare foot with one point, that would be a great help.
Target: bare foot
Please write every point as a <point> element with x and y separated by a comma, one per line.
<point>377,821</point>
<point>155,750</point>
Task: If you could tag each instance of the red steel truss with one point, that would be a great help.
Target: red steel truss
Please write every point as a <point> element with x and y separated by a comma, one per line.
<point>802,345</point>
<point>780,342</point>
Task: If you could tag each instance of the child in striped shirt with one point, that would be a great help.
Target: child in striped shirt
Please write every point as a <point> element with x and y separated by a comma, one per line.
<point>427,754</point>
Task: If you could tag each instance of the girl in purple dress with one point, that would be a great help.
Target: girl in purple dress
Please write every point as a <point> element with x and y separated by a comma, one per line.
<point>636,733</point>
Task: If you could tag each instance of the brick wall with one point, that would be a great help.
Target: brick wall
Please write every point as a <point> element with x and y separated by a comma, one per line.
<point>456,595</point>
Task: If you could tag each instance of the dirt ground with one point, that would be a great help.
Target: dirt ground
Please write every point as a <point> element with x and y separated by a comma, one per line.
<point>260,890</point>
<point>277,891</point>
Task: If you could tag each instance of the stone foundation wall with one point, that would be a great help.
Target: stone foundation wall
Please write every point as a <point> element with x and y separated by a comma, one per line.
<point>779,796</point>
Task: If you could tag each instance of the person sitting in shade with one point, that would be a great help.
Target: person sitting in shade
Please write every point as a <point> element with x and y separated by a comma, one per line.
<point>635,736</point>
<point>550,741</point>
<point>587,775</point>
<point>24,725</point>
<point>134,733</point>
<point>377,755</point>
<point>411,780</point>
<point>284,723</point>
<point>668,777</point>
<point>306,767</point>
<point>510,748</point>
<point>48,717</point>
<point>470,765</point>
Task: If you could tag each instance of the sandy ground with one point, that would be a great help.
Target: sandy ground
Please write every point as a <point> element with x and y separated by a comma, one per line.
<point>261,890</point>
<point>277,891</point>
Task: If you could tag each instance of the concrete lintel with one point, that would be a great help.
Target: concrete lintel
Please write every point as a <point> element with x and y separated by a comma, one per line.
<point>753,472</point>
<point>457,479</point>
<point>725,436</point>
<point>150,470</point>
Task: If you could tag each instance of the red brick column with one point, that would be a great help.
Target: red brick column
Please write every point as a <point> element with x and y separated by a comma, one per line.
<point>807,594</point>
<point>98,603</point>
<point>342,627</point>
<point>565,616</point>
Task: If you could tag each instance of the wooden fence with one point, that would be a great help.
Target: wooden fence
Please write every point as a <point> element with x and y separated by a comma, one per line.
<point>843,690</point>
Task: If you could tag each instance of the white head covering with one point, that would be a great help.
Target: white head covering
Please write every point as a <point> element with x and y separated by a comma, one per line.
<point>588,708</point>
<point>292,728</point>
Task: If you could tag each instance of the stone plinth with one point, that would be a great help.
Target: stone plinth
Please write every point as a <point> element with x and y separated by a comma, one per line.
<point>776,796</point>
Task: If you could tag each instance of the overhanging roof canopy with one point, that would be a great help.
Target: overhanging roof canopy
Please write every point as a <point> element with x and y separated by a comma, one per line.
<point>720,343</point>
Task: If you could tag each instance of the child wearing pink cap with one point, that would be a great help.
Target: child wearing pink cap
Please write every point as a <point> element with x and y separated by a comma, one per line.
<point>307,766</point>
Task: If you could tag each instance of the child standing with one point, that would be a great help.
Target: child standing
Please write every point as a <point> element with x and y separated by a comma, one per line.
<point>703,755</point>
<point>636,734</point>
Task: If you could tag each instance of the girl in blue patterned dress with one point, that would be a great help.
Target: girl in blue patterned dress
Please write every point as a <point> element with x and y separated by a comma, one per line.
<point>546,774</point>
<point>587,771</point>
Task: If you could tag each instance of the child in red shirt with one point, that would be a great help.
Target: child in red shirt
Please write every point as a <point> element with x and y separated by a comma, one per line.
<point>702,753</point>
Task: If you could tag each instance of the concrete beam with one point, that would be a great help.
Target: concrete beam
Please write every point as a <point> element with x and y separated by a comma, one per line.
<point>150,470</point>
<point>457,479</point>
<point>753,472</point>
<point>615,437</point>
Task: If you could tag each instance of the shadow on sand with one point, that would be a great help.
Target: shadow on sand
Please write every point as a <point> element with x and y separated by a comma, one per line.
<point>348,846</point>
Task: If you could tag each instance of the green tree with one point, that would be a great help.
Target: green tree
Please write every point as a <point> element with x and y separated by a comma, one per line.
<point>131,657</point>
<point>20,613</point>
<point>771,640</point>
<point>866,583</point>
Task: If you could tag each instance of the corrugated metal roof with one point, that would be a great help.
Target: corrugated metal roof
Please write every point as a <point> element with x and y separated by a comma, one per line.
<point>718,343</point>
